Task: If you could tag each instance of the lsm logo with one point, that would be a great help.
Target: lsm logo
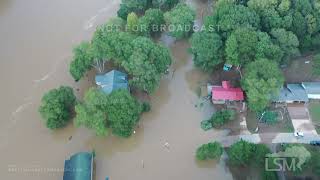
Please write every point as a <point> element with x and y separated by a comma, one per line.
<point>291,159</point>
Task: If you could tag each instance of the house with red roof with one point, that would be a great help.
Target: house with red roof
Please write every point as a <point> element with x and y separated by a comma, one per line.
<point>226,93</point>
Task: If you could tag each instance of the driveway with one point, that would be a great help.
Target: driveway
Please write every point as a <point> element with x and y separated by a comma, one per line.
<point>300,118</point>
<point>269,138</point>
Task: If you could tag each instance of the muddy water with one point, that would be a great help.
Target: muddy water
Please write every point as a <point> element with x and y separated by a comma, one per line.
<point>36,41</point>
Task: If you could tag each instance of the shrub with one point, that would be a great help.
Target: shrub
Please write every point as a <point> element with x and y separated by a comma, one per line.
<point>222,117</point>
<point>270,117</point>
<point>269,175</point>
<point>209,151</point>
<point>180,18</point>
<point>241,153</point>
<point>146,107</point>
<point>206,125</point>
<point>56,107</point>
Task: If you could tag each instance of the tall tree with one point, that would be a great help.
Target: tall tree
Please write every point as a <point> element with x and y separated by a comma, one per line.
<point>180,20</point>
<point>57,106</point>
<point>207,50</point>
<point>209,151</point>
<point>262,80</point>
<point>92,112</point>
<point>228,17</point>
<point>241,153</point>
<point>151,23</point>
<point>107,42</point>
<point>147,63</point>
<point>240,46</point>
<point>265,48</point>
<point>287,41</point>
<point>81,61</point>
<point>132,22</point>
<point>164,4</point>
<point>123,112</point>
<point>116,45</point>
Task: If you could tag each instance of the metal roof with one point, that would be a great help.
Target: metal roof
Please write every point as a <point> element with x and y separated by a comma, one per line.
<point>112,80</point>
<point>226,92</point>
<point>293,92</point>
<point>78,167</point>
<point>312,87</point>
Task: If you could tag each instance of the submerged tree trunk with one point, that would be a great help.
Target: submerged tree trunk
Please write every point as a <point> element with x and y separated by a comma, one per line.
<point>99,65</point>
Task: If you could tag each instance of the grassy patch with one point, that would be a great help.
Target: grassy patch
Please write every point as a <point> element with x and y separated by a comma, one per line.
<point>288,127</point>
<point>314,109</point>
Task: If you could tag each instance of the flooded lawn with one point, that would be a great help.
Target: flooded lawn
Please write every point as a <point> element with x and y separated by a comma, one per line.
<point>37,39</point>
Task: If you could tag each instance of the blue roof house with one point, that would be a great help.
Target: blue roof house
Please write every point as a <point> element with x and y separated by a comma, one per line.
<point>312,89</point>
<point>292,93</point>
<point>79,167</point>
<point>112,80</point>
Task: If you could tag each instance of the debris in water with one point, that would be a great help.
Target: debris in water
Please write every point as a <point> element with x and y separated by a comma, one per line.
<point>307,62</point>
<point>70,138</point>
<point>167,145</point>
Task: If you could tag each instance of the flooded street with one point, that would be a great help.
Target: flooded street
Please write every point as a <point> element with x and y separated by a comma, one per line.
<point>36,43</point>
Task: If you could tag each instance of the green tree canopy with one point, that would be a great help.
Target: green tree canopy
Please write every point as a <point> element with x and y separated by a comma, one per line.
<point>164,4</point>
<point>57,106</point>
<point>151,23</point>
<point>260,153</point>
<point>209,151</point>
<point>269,175</point>
<point>147,63</point>
<point>241,153</point>
<point>315,163</point>
<point>228,17</point>
<point>140,6</point>
<point>180,20</point>
<point>265,48</point>
<point>107,43</point>
<point>81,61</point>
<point>114,44</point>
<point>259,6</point>
<point>92,112</point>
<point>220,118</point>
<point>132,22</point>
<point>240,46</point>
<point>245,45</point>
<point>287,41</point>
<point>118,111</point>
<point>123,112</point>
<point>262,80</point>
<point>207,50</point>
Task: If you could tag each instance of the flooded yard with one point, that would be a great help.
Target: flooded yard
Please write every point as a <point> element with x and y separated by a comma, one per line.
<point>37,39</point>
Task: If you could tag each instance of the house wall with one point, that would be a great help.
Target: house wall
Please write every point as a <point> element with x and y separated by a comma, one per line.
<point>92,167</point>
<point>218,102</point>
<point>314,96</point>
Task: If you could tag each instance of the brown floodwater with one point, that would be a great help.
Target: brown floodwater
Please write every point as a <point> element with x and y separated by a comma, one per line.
<point>36,41</point>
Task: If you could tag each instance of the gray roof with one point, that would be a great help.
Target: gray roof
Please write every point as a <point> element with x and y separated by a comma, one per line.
<point>78,167</point>
<point>293,92</point>
<point>312,87</point>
